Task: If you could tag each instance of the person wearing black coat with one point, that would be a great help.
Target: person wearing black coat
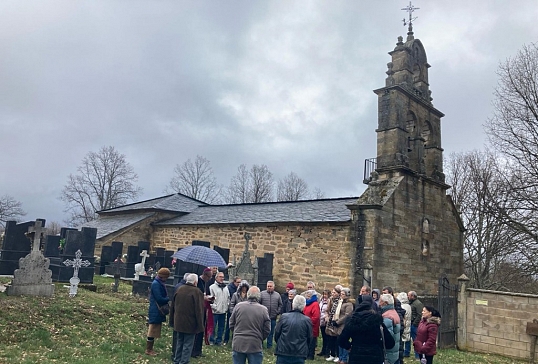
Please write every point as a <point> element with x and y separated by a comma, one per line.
<point>364,329</point>
<point>293,333</point>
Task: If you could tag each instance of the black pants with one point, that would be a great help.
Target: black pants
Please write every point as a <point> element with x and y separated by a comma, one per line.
<point>332,345</point>
<point>324,348</point>
<point>198,342</point>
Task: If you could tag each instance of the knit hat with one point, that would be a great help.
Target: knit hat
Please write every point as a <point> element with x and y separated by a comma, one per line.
<point>164,273</point>
<point>290,285</point>
<point>207,269</point>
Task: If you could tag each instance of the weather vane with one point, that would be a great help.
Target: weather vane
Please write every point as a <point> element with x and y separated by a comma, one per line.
<point>410,8</point>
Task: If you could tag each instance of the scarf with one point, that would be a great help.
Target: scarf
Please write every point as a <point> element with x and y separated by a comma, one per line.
<point>311,300</point>
<point>337,313</point>
<point>334,305</point>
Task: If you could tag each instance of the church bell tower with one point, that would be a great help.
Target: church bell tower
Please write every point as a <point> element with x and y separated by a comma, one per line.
<point>409,127</point>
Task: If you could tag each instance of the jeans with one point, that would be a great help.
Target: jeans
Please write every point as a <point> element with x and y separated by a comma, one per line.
<point>284,359</point>
<point>241,358</point>
<point>184,343</point>
<point>343,354</point>
<point>413,337</point>
<point>227,329</point>
<point>271,333</point>
<point>219,320</point>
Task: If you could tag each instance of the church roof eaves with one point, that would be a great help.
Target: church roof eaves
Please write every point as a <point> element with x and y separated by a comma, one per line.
<point>310,211</point>
<point>170,203</point>
<point>108,224</point>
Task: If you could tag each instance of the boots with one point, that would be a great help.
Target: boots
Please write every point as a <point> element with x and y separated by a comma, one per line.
<point>149,348</point>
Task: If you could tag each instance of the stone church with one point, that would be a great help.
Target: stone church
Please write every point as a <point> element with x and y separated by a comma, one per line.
<point>404,231</point>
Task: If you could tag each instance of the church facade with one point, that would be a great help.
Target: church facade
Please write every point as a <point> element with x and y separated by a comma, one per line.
<point>403,231</point>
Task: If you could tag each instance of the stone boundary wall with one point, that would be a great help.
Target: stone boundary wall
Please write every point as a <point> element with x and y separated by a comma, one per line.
<point>495,322</point>
<point>316,252</point>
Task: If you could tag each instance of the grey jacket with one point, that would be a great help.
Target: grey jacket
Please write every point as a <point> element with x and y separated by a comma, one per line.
<point>273,302</point>
<point>251,325</point>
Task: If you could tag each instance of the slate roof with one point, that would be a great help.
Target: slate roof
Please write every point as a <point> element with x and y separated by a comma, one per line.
<point>176,203</point>
<point>327,210</point>
<point>109,224</point>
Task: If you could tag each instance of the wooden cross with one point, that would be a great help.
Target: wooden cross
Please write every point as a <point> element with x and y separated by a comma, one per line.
<point>38,229</point>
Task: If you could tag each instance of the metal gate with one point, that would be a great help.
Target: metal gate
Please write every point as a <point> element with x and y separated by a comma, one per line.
<point>448,308</point>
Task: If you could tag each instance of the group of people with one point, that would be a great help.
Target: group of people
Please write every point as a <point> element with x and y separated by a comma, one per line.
<point>373,328</point>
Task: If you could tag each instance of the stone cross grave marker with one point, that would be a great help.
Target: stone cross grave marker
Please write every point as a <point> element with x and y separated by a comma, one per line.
<point>37,230</point>
<point>117,274</point>
<point>139,267</point>
<point>76,263</point>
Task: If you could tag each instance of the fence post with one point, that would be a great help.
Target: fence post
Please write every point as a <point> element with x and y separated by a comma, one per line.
<point>462,313</point>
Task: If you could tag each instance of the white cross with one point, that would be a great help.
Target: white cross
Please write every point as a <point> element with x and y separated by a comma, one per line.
<point>77,263</point>
<point>38,230</point>
<point>144,255</point>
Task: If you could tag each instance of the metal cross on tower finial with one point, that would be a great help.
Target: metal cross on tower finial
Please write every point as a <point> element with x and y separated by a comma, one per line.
<point>410,9</point>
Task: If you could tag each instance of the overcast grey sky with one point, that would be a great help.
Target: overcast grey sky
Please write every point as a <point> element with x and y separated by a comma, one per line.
<point>282,83</point>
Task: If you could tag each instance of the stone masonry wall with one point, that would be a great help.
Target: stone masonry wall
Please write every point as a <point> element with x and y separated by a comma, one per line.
<point>394,237</point>
<point>496,322</point>
<point>316,252</point>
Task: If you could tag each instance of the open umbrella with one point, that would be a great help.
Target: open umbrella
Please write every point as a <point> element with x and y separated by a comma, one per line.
<point>198,254</point>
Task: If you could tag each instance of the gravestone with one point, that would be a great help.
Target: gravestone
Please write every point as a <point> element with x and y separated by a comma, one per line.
<point>160,257</point>
<point>117,269</point>
<point>52,246</point>
<point>133,255</point>
<point>75,240</point>
<point>33,278</point>
<point>16,245</point>
<point>76,263</point>
<point>257,273</point>
<point>117,249</point>
<point>225,254</point>
<point>106,258</point>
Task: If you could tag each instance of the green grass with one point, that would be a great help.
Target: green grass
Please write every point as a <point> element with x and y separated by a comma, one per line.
<point>107,327</point>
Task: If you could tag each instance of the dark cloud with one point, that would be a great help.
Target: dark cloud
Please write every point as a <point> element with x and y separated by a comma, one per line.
<point>282,83</point>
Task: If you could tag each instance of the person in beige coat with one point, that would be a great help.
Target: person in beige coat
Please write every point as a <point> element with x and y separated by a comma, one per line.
<point>344,308</point>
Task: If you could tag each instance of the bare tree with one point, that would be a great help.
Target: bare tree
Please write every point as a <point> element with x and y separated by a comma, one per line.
<point>53,228</point>
<point>477,191</point>
<point>10,210</point>
<point>239,189</point>
<point>196,180</point>
<point>513,131</point>
<point>317,194</point>
<point>251,186</point>
<point>105,180</point>
<point>262,184</point>
<point>292,188</point>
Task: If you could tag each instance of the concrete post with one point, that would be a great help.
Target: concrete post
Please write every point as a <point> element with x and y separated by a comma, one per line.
<point>462,312</point>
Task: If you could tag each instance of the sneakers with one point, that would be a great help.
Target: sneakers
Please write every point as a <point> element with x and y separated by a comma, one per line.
<point>336,360</point>
<point>330,358</point>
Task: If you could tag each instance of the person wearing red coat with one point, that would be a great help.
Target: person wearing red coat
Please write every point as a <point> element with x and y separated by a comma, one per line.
<point>312,311</point>
<point>425,343</point>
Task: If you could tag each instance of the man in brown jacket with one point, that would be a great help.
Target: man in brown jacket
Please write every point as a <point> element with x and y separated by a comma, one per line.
<point>251,325</point>
<point>188,318</point>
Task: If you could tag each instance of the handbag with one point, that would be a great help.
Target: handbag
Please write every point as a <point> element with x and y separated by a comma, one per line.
<point>164,309</point>
<point>385,360</point>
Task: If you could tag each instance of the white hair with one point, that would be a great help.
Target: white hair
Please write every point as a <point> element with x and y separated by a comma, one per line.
<point>299,303</point>
<point>387,297</point>
<point>192,278</point>
<point>254,294</point>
